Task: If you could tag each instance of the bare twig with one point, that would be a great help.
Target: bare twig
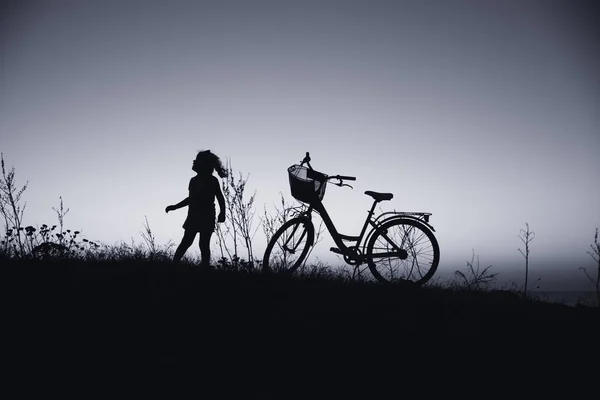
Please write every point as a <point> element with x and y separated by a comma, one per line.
<point>595,254</point>
<point>526,237</point>
<point>148,237</point>
<point>10,204</point>
<point>60,214</point>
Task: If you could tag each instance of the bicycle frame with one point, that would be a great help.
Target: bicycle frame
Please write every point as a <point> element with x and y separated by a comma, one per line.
<point>376,224</point>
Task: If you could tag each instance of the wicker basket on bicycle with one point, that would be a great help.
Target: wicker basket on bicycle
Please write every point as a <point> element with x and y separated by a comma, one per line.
<point>306,185</point>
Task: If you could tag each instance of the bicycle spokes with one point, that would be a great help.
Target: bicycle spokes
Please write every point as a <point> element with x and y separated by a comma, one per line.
<point>391,244</point>
<point>404,250</point>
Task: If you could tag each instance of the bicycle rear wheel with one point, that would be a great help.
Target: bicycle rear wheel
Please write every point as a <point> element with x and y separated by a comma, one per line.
<point>289,246</point>
<point>403,250</point>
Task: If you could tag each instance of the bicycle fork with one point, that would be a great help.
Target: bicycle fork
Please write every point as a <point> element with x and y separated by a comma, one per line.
<point>285,245</point>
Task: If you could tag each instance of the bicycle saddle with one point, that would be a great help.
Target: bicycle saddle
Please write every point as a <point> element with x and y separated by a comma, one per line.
<point>379,196</point>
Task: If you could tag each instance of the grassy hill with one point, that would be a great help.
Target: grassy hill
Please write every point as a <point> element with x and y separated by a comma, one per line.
<point>140,315</point>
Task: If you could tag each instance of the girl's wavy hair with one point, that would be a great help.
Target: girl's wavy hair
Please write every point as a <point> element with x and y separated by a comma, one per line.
<point>213,161</point>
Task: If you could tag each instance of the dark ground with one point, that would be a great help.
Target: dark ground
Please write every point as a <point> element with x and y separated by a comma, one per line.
<point>277,337</point>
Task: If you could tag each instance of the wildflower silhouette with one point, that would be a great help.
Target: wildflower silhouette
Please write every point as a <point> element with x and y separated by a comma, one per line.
<point>203,189</point>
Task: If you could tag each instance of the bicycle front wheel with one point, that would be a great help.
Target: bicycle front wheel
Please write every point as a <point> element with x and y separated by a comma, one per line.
<point>289,246</point>
<point>403,250</point>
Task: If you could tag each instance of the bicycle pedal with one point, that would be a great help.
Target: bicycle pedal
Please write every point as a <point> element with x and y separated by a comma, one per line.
<point>335,250</point>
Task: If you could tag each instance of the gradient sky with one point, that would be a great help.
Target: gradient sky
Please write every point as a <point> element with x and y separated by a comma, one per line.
<point>485,113</point>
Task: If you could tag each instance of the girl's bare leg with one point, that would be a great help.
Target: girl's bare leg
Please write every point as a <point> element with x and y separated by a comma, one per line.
<point>186,242</point>
<point>205,248</point>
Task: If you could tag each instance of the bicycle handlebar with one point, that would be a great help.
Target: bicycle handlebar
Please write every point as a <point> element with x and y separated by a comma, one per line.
<point>306,161</point>
<point>343,178</point>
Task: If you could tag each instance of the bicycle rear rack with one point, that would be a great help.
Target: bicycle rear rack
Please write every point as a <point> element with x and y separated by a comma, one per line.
<point>419,215</point>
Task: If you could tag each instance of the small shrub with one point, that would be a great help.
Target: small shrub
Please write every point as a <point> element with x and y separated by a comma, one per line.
<point>475,278</point>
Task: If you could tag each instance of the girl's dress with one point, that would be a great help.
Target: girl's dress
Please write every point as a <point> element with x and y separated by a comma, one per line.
<point>201,208</point>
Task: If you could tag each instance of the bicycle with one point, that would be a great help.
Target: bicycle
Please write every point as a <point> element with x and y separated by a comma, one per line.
<point>400,246</point>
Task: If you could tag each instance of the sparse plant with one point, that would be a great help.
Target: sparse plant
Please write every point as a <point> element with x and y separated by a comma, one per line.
<point>44,241</point>
<point>272,222</point>
<point>595,254</point>
<point>153,250</point>
<point>317,269</point>
<point>475,278</point>
<point>526,236</point>
<point>11,208</point>
<point>113,253</point>
<point>238,228</point>
<point>358,273</point>
<point>60,215</point>
<point>236,264</point>
<point>148,236</point>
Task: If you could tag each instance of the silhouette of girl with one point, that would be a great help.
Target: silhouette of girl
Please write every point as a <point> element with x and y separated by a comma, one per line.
<point>203,189</point>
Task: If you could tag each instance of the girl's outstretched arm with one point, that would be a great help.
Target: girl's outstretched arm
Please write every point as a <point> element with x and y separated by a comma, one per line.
<point>182,203</point>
